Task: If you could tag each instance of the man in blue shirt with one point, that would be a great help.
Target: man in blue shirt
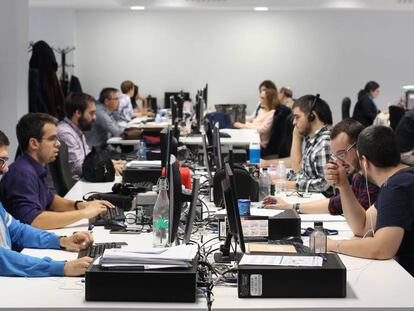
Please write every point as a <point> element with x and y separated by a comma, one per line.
<point>23,189</point>
<point>388,227</point>
<point>14,234</point>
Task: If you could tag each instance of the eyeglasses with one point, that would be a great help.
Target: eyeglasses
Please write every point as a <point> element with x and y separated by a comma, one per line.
<point>3,162</point>
<point>341,154</point>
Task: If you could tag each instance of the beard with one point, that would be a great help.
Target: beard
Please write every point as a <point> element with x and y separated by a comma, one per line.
<point>84,125</point>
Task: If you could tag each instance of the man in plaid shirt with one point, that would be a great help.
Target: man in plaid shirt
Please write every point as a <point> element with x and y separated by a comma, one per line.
<point>311,117</point>
<point>343,139</point>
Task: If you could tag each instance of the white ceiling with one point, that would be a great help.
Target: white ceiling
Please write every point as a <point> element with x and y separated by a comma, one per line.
<point>402,5</point>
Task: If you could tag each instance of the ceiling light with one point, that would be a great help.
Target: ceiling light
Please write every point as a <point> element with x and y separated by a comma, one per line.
<point>137,8</point>
<point>261,8</point>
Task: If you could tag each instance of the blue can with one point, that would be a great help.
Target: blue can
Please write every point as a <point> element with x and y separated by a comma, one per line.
<point>244,207</point>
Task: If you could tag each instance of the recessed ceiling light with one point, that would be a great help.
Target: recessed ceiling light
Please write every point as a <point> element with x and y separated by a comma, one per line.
<point>261,8</point>
<point>137,8</point>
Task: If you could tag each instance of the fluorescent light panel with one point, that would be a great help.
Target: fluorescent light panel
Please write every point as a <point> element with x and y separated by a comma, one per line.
<point>137,8</point>
<point>261,8</point>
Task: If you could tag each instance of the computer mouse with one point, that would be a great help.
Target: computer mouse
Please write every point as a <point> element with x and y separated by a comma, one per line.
<point>114,225</point>
<point>225,135</point>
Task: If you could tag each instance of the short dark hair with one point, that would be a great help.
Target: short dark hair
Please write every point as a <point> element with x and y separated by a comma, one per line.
<point>350,127</point>
<point>286,91</point>
<point>268,85</point>
<point>31,126</point>
<point>77,101</point>
<point>4,140</point>
<point>321,107</point>
<point>106,93</point>
<point>371,86</point>
<point>378,144</point>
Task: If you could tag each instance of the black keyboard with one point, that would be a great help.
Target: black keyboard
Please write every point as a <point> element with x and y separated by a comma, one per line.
<point>112,214</point>
<point>98,249</point>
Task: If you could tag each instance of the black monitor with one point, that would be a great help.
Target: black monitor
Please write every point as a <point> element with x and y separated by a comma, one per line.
<point>199,112</point>
<point>166,136</point>
<point>235,230</point>
<point>173,106</point>
<point>205,94</point>
<point>218,156</point>
<point>174,193</point>
<point>167,96</point>
<point>152,103</point>
<point>206,157</point>
<point>192,209</point>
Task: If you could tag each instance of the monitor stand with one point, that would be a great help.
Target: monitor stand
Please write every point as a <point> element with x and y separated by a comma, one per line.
<point>224,255</point>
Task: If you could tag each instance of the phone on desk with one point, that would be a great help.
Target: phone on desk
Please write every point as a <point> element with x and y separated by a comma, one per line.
<point>126,231</point>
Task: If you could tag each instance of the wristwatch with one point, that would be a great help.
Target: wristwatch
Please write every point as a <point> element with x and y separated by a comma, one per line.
<point>296,207</point>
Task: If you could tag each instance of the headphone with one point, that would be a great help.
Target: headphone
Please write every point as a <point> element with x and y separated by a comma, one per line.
<point>311,116</point>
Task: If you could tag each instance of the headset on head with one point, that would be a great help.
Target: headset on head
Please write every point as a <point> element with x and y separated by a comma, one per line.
<point>311,115</point>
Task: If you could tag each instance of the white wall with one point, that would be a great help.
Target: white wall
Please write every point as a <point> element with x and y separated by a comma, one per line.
<point>331,52</point>
<point>13,67</point>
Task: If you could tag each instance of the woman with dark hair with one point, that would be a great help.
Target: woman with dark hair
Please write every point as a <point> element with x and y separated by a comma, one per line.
<point>365,109</point>
<point>269,101</point>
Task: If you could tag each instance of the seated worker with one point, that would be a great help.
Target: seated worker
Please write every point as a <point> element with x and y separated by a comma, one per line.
<point>15,235</point>
<point>366,110</point>
<point>140,109</point>
<point>311,118</point>
<point>285,96</point>
<point>405,137</point>
<point>80,115</point>
<point>265,85</point>
<point>264,122</point>
<point>344,136</point>
<point>23,189</point>
<point>105,125</point>
<point>388,227</point>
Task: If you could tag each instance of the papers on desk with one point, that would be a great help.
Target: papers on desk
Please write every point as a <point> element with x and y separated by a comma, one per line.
<point>180,256</point>
<point>295,261</point>
<point>321,217</point>
<point>143,164</point>
<point>267,212</point>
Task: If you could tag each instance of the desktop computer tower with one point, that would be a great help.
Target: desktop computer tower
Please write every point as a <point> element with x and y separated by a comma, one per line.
<point>163,285</point>
<point>328,281</point>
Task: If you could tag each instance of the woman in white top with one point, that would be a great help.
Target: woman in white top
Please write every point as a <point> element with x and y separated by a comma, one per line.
<point>264,121</point>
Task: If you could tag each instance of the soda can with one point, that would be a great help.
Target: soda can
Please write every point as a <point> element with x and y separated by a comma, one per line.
<point>244,207</point>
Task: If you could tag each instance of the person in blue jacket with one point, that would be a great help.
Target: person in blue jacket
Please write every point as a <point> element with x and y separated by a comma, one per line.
<point>15,235</point>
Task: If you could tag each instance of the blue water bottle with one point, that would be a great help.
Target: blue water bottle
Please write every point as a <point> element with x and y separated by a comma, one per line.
<point>254,153</point>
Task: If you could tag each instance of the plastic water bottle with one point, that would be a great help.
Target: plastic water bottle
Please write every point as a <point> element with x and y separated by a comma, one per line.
<point>142,151</point>
<point>317,239</point>
<point>280,184</point>
<point>158,117</point>
<point>264,184</point>
<point>161,216</point>
<point>254,153</point>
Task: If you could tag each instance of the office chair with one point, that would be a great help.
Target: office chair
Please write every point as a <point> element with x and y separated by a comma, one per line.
<point>281,136</point>
<point>396,113</point>
<point>60,171</point>
<point>346,106</point>
<point>246,186</point>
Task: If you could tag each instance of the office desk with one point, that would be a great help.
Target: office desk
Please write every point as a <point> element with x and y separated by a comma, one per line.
<point>239,137</point>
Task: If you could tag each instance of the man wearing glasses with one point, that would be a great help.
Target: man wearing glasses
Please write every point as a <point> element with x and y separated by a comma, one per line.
<point>23,189</point>
<point>343,146</point>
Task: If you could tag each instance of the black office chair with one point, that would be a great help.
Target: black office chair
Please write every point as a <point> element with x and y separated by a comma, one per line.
<point>246,186</point>
<point>60,171</point>
<point>396,113</point>
<point>346,107</point>
<point>281,136</point>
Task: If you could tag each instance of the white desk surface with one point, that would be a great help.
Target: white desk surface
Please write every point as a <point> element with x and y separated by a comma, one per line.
<point>371,284</point>
<point>239,137</point>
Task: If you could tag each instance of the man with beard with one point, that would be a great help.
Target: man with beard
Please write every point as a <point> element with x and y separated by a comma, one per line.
<point>387,229</point>
<point>344,136</point>
<point>23,190</point>
<point>80,115</point>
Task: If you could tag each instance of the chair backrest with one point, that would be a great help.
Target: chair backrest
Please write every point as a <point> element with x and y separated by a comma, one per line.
<point>246,186</point>
<point>396,113</point>
<point>60,171</point>
<point>281,136</point>
<point>346,107</point>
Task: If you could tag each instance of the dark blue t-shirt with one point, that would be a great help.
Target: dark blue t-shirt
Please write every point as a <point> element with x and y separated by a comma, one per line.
<point>23,189</point>
<point>395,208</point>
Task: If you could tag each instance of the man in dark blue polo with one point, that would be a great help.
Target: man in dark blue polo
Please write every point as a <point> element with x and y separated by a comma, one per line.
<point>23,190</point>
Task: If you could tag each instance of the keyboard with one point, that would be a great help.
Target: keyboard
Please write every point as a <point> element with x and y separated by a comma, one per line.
<point>112,214</point>
<point>98,249</point>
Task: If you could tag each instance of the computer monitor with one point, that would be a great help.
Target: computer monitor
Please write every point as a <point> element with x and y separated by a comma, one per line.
<point>174,113</point>
<point>167,96</point>
<point>205,94</point>
<point>235,230</point>
<point>218,156</point>
<point>206,158</point>
<point>166,135</point>
<point>192,209</point>
<point>199,112</point>
<point>174,193</point>
<point>152,103</point>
